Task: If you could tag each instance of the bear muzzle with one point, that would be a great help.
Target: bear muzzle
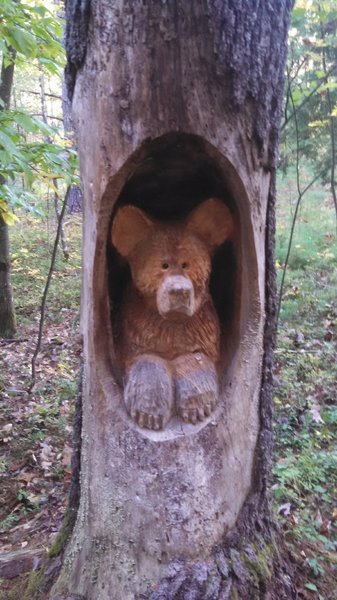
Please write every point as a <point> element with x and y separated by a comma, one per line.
<point>176,295</point>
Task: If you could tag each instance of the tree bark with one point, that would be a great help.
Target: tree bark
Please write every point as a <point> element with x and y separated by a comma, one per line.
<point>175,102</point>
<point>7,314</point>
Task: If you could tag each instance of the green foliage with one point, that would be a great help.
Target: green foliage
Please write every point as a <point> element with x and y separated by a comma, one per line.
<point>8,522</point>
<point>32,240</point>
<point>32,29</point>
<point>314,239</point>
<point>39,162</point>
<point>3,466</point>
<point>311,89</point>
<point>34,156</point>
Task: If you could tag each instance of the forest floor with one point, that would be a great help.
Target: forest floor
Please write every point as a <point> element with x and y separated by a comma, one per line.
<point>35,428</point>
<point>305,407</point>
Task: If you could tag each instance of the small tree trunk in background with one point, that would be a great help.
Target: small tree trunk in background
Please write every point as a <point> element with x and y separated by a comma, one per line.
<point>332,120</point>
<point>175,102</point>
<point>55,181</point>
<point>7,314</point>
<point>75,193</point>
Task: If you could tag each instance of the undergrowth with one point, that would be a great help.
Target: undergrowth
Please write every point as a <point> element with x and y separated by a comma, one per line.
<point>305,471</point>
<point>31,242</point>
<point>35,428</point>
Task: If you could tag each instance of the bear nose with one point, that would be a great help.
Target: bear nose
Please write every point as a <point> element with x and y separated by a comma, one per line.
<point>180,291</point>
<point>176,294</point>
<point>179,286</point>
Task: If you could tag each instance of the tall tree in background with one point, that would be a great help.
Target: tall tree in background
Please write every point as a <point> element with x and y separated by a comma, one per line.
<point>7,314</point>
<point>311,89</point>
<point>175,102</point>
<point>34,158</point>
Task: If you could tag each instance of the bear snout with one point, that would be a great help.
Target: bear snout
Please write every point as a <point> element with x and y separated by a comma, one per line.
<point>176,295</point>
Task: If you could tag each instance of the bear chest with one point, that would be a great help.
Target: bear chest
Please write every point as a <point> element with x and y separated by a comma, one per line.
<point>146,332</point>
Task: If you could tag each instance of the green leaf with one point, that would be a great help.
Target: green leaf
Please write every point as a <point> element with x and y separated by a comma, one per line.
<point>9,218</point>
<point>25,121</point>
<point>40,10</point>
<point>52,66</point>
<point>23,41</point>
<point>298,12</point>
<point>311,586</point>
<point>7,143</point>
<point>297,96</point>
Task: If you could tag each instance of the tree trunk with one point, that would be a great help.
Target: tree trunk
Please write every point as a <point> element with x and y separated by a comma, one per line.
<point>175,103</point>
<point>75,193</point>
<point>7,315</point>
<point>55,179</point>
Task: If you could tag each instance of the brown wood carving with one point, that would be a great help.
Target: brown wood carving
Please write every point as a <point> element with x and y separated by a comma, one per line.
<point>169,343</point>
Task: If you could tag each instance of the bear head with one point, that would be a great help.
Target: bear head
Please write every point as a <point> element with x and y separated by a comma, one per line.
<point>171,263</point>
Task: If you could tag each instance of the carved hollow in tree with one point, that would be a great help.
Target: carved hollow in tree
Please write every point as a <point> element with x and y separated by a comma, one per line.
<point>170,334</point>
<point>182,282</point>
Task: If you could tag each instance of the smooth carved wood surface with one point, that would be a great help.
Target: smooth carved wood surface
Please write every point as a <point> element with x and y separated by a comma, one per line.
<point>145,330</point>
<point>169,333</point>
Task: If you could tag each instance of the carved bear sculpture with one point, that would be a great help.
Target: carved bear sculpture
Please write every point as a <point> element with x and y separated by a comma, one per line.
<point>169,342</point>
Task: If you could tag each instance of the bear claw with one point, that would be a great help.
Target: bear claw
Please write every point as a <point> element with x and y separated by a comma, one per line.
<point>192,413</point>
<point>149,421</point>
<point>148,393</point>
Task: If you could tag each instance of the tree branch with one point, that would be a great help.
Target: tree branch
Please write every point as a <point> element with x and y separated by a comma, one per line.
<point>307,98</point>
<point>46,94</point>
<point>45,294</point>
<point>48,116</point>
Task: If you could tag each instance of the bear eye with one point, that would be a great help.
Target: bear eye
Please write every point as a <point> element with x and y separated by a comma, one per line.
<point>184,265</point>
<point>165,265</point>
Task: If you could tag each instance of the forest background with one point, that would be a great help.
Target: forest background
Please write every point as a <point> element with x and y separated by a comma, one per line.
<point>40,210</point>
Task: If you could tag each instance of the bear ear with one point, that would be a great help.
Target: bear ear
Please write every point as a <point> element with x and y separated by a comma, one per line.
<point>129,227</point>
<point>212,222</point>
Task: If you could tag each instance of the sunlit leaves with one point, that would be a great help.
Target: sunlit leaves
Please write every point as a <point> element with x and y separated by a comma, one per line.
<point>8,217</point>
<point>23,152</point>
<point>33,31</point>
<point>35,158</point>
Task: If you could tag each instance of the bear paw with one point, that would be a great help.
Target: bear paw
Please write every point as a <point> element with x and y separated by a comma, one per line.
<point>196,385</point>
<point>197,407</point>
<point>148,393</point>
